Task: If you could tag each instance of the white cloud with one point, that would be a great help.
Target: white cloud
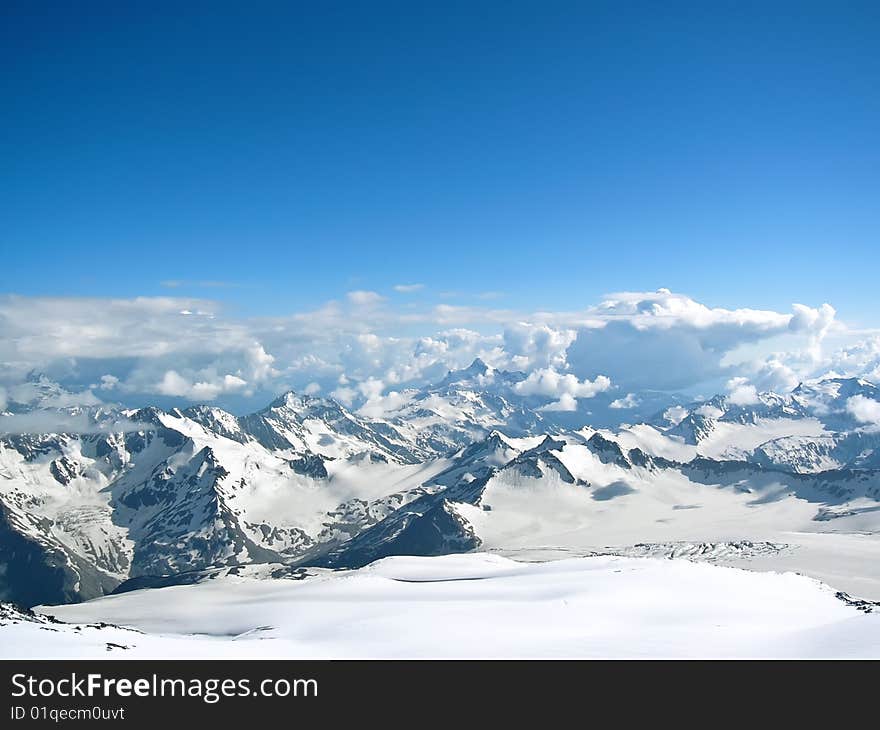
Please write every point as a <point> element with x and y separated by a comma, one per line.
<point>630,400</point>
<point>815,322</point>
<point>51,421</point>
<point>537,345</point>
<point>777,375</point>
<point>365,298</point>
<point>260,363</point>
<point>863,409</point>
<point>860,359</point>
<point>48,394</point>
<point>174,384</point>
<point>566,388</point>
<point>344,395</point>
<point>371,388</point>
<point>377,406</point>
<point>408,288</point>
<point>233,382</point>
<point>669,341</point>
<point>312,388</point>
<point>566,402</point>
<point>108,382</point>
<point>675,414</point>
<point>741,392</point>
<point>654,340</point>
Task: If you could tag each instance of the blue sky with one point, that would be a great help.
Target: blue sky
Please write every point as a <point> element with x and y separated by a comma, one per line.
<point>520,157</point>
<point>549,151</point>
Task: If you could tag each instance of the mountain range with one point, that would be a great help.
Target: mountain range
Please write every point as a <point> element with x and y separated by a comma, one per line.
<point>96,498</point>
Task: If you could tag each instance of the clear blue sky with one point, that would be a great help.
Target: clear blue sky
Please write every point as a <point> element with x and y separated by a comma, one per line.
<point>550,151</point>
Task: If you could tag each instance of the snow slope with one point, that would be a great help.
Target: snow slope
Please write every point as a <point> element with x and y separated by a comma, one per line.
<point>471,606</point>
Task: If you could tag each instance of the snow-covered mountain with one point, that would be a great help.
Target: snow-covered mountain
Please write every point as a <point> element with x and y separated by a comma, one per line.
<point>463,407</point>
<point>96,498</point>
<point>183,490</point>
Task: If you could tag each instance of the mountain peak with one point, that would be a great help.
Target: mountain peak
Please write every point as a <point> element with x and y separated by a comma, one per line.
<point>292,399</point>
<point>36,376</point>
<point>476,369</point>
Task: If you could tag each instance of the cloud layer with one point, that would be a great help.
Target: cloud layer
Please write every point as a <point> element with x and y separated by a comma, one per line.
<point>364,349</point>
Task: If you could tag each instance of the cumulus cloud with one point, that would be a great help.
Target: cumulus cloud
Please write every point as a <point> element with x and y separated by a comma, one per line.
<point>192,349</point>
<point>669,341</point>
<point>630,400</point>
<point>108,382</point>
<point>344,393</point>
<point>566,402</point>
<point>864,409</point>
<point>708,411</point>
<point>141,339</point>
<point>860,359</point>
<point>741,392</point>
<point>537,345</point>
<point>815,322</point>
<point>259,363</point>
<point>174,384</point>
<point>675,414</point>
<point>777,375</point>
<point>566,388</point>
<point>377,405</point>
